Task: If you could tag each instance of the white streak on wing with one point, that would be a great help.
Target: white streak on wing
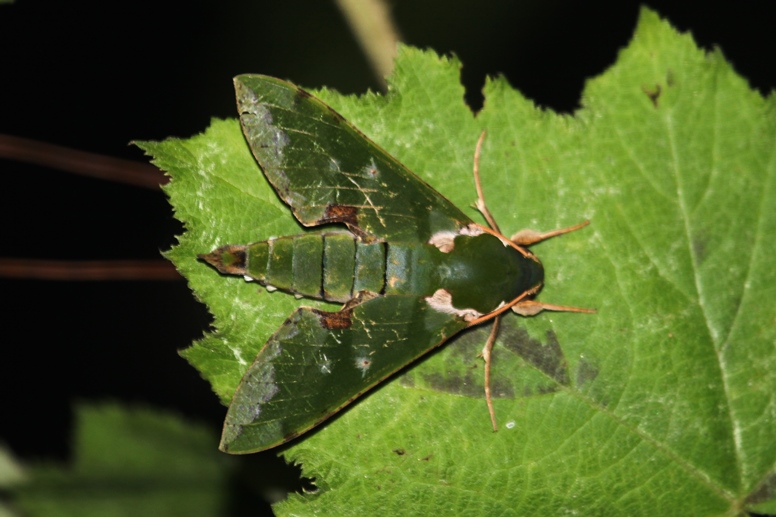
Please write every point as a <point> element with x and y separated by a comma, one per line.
<point>442,301</point>
<point>443,241</point>
<point>363,363</point>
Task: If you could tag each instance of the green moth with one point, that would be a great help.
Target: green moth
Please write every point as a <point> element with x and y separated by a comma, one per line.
<point>411,269</point>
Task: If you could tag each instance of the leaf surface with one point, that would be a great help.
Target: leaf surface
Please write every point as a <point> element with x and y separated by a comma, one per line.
<point>662,403</point>
<point>131,462</point>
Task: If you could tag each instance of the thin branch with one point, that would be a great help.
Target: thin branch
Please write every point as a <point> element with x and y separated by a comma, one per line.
<point>81,162</point>
<point>371,22</point>
<point>89,270</point>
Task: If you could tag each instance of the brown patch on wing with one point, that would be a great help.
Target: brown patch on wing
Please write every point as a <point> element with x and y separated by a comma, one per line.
<point>335,320</point>
<point>339,214</point>
<point>344,214</point>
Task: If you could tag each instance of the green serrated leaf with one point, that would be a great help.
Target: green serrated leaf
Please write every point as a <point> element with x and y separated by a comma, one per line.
<point>131,462</point>
<point>11,473</point>
<point>660,404</point>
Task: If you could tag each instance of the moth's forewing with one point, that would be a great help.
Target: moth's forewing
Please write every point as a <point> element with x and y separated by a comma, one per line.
<point>328,171</point>
<point>318,362</point>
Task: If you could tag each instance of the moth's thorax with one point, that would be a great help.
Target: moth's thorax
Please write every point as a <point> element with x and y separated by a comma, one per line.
<point>480,272</point>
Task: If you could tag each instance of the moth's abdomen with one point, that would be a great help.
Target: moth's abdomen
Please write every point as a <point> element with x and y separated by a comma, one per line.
<point>332,266</point>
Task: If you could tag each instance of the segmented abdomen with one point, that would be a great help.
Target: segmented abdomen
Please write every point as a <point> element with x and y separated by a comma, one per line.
<point>333,266</point>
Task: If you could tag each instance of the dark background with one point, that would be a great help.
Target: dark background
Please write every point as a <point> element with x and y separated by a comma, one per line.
<point>93,75</point>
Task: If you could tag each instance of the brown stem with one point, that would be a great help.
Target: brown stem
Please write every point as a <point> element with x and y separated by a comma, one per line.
<point>81,162</point>
<point>80,270</point>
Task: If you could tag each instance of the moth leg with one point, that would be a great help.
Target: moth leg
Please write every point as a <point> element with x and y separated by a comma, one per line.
<point>527,237</point>
<point>486,355</point>
<point>532,308</point>
<point>480,203</point>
